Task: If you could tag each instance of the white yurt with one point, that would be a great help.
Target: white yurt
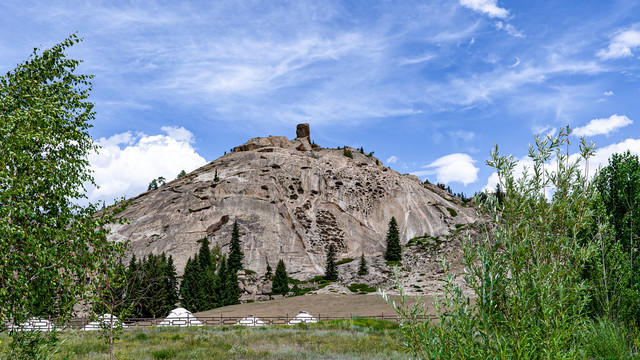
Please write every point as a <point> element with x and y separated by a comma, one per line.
<point>180,317</point>
<point>103,322</point>
<point>35,324</point>
<point>303,317</point>
<point>250,321</point>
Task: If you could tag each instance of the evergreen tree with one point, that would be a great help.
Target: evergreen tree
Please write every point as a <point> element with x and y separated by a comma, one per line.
<point>189,286</point>
<point>152,305</point>
<point>206,293</point>
<point>280,282</point>
<point>331,270</point>
<point>268,271</point>
<point>362,268</point>
<point>235,250</point>
<point>394,251</point>
<point>220,282</point>
<point>171,284</point>
<point>207,297</point>
<point>204,255</point>
<point>215,177</point>
<point>232,288</point>
<point>181,174</point>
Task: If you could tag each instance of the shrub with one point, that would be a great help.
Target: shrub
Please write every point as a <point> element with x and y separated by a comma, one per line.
<point>525,272</point>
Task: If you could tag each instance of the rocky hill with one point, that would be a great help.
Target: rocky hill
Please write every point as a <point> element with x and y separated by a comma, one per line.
<point>291,199</point>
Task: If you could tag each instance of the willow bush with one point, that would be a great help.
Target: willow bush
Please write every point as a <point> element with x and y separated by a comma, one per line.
<point>529,298</point>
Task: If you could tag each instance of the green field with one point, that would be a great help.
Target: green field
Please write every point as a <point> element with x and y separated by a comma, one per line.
<point>336,339</point>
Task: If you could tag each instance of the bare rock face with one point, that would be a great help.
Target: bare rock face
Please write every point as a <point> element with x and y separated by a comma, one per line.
<point>291,200</point>
<point>303,131</point>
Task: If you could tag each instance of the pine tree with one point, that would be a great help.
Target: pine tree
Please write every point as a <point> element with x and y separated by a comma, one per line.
<point>171,284</point>
<point>189,286</point>
<point>220,282</point>
<point>362,268</point>
<point>215,177</point>
<point>235,250</point>
<point>204,255</point>
<point>280,282</point>
<point>331,271</point>
<point>232,288</point>
<point>268,271</point>
<point>152,303</point>
<point>394,251</point>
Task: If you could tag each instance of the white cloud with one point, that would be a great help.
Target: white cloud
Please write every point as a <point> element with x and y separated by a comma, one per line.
<point>510,29</point>
<point>392,160</point>
<point>608,93</point>
<point>488,7</point>
<point>603,126</point>
<point>451,168</point>
<point>126,164</point>
<point>179,133</point>
<point>599,160</point>
<point>622,44</point>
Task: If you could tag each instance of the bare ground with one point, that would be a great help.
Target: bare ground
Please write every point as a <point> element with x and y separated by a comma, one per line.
<point>332,305</point>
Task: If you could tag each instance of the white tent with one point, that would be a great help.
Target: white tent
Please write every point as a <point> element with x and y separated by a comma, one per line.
<point>180,317</point>
<point>103,322</point>
<point>251,321</point>
<point>303,317</point>
<point>35,324</point>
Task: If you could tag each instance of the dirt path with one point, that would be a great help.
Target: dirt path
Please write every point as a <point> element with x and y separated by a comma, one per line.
<point>334,305</point>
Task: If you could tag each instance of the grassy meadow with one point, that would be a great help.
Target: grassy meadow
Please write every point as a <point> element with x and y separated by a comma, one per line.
<point>336,339</point>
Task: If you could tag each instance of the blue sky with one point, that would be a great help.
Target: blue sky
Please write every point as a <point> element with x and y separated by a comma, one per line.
<point>429,86</point>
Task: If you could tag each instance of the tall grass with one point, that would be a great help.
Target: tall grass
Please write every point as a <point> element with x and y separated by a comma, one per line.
<point>336,339</point>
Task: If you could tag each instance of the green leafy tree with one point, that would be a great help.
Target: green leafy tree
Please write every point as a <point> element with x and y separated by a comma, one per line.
<point>614,272</point>
<point>525,271</point>
<point>346,152</point>
<point>331,270</point>
<point>362,267</point>
<point>280,281</point>
<point>51,247</point>
<point>394,250</point>
<point>118,294</point>
<point>181,174</point>
<point>235,250</point>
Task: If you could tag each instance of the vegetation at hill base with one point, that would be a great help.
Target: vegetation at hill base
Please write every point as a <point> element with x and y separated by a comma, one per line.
<point>331,270</point>
<point>551,278</point>
<point>210,280</point>
<point>394,250</point>
<point>280,282</point>
<point>362,266</point>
